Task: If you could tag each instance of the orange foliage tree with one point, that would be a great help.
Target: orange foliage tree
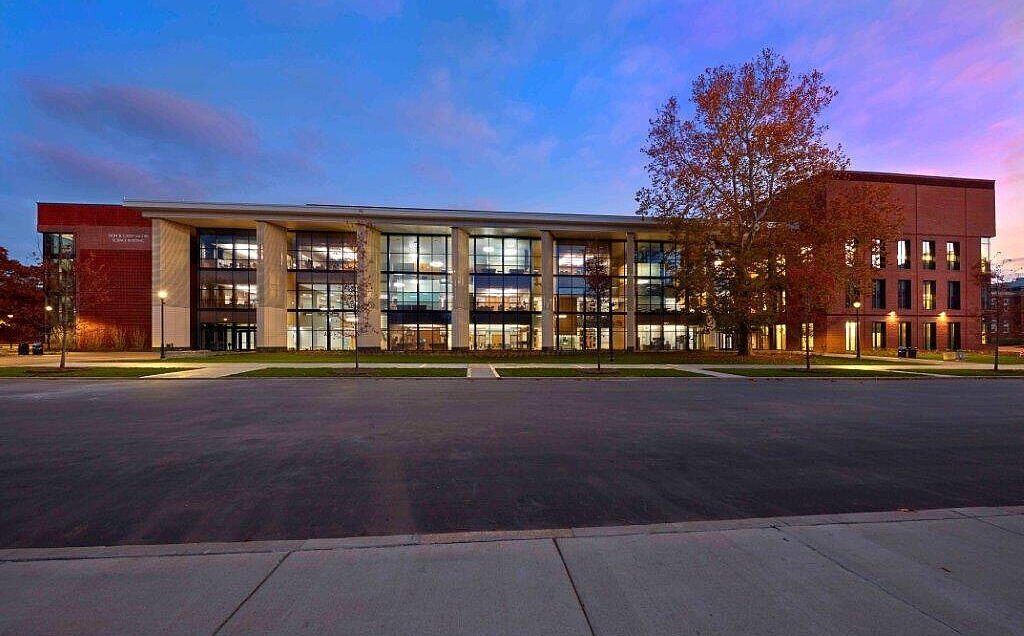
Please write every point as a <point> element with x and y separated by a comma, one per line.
<point>747,185</point>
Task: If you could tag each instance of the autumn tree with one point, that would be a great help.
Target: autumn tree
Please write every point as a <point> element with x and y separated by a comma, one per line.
<point>746,182</point>
<point>21,299</point>
<point>365,295</point>
<point>992,276</point>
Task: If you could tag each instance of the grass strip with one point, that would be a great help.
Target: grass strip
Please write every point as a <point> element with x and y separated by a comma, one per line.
<point>85,372</point>
<point>815,372</point>
<point>335,372</point>
<point>564,372</point>
<point>979,373</point>
<point>513,357</point>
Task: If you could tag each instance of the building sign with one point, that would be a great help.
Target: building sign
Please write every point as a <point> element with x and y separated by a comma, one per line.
<point>128,238</point>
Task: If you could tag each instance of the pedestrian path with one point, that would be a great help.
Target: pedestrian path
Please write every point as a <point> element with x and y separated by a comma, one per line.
<point>481,371</point>
<point>206,372</point>
<point>922,572</point>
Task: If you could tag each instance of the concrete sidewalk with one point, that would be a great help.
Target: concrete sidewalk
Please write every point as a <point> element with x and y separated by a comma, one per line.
<point>929,572</point>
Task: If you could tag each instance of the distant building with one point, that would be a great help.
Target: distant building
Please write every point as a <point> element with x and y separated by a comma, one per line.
<point>1010,320</point>
<point>246,276</point>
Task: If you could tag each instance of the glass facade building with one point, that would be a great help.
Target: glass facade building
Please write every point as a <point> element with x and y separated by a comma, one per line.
<point>321,290</point>
<point>227,293</point>
<point>415,292</point>
<point>504,292</point>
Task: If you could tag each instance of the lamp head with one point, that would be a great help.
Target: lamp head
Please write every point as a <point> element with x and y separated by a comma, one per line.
<point>49,308</point>
<point>162,294</point>
<point>856,304</point>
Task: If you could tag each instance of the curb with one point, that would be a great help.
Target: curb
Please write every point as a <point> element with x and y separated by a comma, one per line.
<point>490,536</point>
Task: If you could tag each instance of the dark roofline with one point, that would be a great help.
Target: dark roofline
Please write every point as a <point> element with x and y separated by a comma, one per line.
<point>919,179</point>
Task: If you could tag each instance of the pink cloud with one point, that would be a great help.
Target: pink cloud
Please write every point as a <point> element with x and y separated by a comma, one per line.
<point>148,113</point>
<point>106,174</point>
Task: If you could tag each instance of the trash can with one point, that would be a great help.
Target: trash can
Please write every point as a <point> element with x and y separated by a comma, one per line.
<point>901,352</point>
<point>911,352</point>
<point>961,356</point>
<point>37,348</point>
<point>22,348</point>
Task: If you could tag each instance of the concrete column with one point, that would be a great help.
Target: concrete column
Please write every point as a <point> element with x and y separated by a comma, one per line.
<point>460,289</point>
<point>630,291</point>
<point>171,272</point>
<point>368,282</point>
<point>271,287</point>
<point>547,290</point>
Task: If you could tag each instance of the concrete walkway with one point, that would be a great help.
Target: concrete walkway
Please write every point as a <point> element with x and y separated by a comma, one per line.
<point>928,572</point>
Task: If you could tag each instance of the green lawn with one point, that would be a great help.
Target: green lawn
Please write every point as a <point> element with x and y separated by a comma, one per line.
<point>84,372</point>
<point>333,372</point>
<point>815,372</point>
<point>562,372</point>
<point>512,357</point>
<point>981,358</point>
<point>981,373</point>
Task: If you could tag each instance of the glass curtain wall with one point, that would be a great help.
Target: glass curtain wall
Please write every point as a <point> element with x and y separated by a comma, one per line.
<point>59,285</point>
<point>227,291</point>
<point>578,318</point>
<point>321,290</point>
<point>415,291</point>
<point>662,319</point>
<point>505,293</point>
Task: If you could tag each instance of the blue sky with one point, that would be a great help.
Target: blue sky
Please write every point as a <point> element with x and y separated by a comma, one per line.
<point>516,105</point>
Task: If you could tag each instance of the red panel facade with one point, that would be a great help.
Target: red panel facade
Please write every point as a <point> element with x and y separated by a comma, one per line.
<point>935,209</point>
<point>113,261</point>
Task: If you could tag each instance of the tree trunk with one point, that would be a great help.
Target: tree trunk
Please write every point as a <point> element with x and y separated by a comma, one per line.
<point>597,324</point>
<point>63,346</point>
<point>743,338</point>
<point>356,349</point>
<point>995,339</point>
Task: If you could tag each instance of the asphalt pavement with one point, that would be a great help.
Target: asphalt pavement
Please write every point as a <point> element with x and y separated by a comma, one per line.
<point>104,462</point>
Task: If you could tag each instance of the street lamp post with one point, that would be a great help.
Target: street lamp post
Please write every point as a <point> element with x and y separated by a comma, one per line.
<point>46,326</point>
<point>856,305</point>
<point>162,294</point>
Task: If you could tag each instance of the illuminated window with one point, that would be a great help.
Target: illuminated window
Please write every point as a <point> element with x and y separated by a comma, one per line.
<point>953,255</point>
<point>903,254</point>
<point>928,254</point>
<point>928,294</point>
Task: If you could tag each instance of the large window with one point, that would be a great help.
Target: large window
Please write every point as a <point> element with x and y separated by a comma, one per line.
<point>953,336</point>
<point>578,318</point>
<point>59,285</point>
<point>878,335</point>
<point>928,254</point>
<point>953,294</point>
<point>928,294</point>
<point>878,294</point>
<point>505,294</point>
<point>953,255</point>
<point>665,317</point>
<point>415,294</point>
<point>906,334</point>
<point>903,254</point>
<point>322,290</point>
<point>227,292</point>
<point>930,336</point>
<point>903,296</point>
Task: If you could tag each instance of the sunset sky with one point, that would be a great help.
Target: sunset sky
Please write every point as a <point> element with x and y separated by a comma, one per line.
<point>521,105</point>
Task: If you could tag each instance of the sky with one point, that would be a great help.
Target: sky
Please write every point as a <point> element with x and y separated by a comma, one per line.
<point>518,105</point>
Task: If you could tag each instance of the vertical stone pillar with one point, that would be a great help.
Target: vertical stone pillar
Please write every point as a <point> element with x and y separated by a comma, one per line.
<point>630,291</point>
<point>171,272</point>
<point>460,289</point>
<point>271,287</point>
<point>368,280</point>
<point>547,290</point>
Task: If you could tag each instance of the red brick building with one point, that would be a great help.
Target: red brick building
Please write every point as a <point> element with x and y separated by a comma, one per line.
<point>111,249</point>
<point>925,294</point>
